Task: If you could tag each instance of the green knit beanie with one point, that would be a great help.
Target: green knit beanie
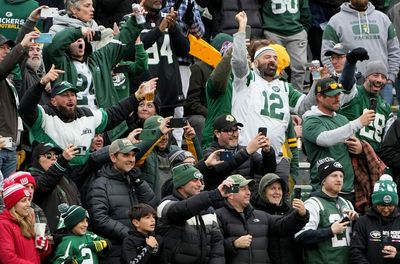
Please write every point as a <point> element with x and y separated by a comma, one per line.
<point>183,174</point>
<point>385,191</point>
<point>219,39</point>
<point>72,215</point>
<point>153,122</point>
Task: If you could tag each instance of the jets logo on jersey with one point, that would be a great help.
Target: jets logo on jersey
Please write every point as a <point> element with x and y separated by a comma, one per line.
<point>276,89</point>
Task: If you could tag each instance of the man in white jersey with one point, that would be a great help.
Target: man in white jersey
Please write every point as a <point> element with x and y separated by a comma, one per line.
<point>259,98</point>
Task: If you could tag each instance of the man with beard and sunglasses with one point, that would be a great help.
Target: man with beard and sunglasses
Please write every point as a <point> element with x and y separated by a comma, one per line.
<point>367,97</point>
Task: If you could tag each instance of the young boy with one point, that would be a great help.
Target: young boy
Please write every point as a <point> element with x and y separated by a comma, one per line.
<point>141,246</point>
<point>77,245</point>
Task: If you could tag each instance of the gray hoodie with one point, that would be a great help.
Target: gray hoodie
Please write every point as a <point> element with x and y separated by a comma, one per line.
<point>371,30</point>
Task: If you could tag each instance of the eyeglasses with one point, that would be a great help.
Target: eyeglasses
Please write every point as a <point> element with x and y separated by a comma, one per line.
<point>337,57</point>
<point>49,155</point>
<point>5,47</point>
<point>382,206</point>
<point>231,131</point>
<point>332,86</point>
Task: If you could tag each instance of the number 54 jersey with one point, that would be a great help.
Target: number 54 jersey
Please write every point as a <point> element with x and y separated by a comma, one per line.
<point>259,103</point>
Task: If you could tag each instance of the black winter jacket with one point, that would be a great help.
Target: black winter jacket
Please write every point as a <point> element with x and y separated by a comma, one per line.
<point>367,238</point>
<point>260,225</point>
<point>136,251</point>
<point>53,187</point>
<point>190,229</point>
<point>252,166</point>
<point>282,249</point>
<point>109,200</point>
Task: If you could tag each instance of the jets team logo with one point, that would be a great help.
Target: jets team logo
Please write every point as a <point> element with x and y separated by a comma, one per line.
<point>26,192</point>
<point>159,120</point>
<point>375,234</point>
<point>9,14</point>
<point>387,199</point>
<point>337,165</point>
<point>276,89</point>
<point>198,175</point>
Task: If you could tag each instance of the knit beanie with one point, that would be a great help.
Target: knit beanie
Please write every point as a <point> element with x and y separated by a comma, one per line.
<point>72,215</point>
<point>326,166</point>
<point>13,193</point>
<point>178,156</point>
<point>22,177</point>
<point>219,39</point>
<point>152,122</point>
<point>376,67</point>
<point>183,174</point>
<point>385,191</point>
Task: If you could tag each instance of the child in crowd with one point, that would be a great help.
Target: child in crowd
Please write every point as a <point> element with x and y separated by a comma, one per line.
<point>77,245</point>
<point>141,246</point>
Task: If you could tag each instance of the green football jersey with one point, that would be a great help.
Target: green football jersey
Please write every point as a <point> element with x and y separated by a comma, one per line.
<point>74,246</point>
<point>374,132</point>
<point>336,249</point>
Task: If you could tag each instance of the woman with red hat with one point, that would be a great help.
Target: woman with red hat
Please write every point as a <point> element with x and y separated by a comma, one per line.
<point>17,237</point>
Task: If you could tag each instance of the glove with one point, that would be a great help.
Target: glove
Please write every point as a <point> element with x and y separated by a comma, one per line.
<point>42,243</point>
<point>134,178</point>
<point>357,54</point>
<point>98,245</point>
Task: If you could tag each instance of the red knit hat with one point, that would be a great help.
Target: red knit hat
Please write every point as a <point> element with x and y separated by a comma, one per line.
<point>22,177</point>
<point>12,194</point>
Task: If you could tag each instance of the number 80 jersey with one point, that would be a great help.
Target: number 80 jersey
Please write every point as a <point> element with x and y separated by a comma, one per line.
<point>259,103</point>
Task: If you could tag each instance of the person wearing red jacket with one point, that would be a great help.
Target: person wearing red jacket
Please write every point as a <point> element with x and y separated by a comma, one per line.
<point>19,245</point>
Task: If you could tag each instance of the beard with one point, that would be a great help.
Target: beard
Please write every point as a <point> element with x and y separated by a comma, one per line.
<point>69,114</point>
<point>268,70</point>
<point>34,63</point>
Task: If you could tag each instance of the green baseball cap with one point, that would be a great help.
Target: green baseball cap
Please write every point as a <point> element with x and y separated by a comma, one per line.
<point>61,87</point>
<point>122,145</point>
<point>242,181</point>
<point>328,86</point>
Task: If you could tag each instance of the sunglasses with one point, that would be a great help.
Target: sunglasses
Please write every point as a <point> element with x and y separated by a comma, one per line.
<point>49,155</point>
<point>332,86</point>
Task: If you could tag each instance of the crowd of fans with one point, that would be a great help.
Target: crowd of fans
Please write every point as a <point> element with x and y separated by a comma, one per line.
<point>122,142</point>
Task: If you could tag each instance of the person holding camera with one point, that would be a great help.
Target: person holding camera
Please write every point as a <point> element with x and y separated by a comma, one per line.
<point>375,235</point>
<point>112,194</point>
<point>326,236</point>
<point>187,220</point>
<point>53,186</point>
<point>247,231</point>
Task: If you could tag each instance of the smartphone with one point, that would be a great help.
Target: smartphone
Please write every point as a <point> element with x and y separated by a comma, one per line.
<point>297,193</point>
<point>385,241</point>
<point>225,155</point>
<point>121,69</point>
<point>372,104</point>
<point>177,122</point>
<point>233,189</point>
<point>263,131</point>
<point>49,12</point>
<point>97,35</point>
<point>248,32</point>
<point>8,141</point>
<point>148,134</point>
<point>345,219</point>
<point>81,150</point>
<point>44,38</point>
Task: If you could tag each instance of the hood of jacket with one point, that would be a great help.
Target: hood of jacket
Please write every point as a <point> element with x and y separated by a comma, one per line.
<point>64,20</point>
<point>267,180</point>
<point>323,195</point>
<point>5,215</point>
<point>363,27</point>
<point>109,172</point>
<point>314,111</point>
<point>373,213</point>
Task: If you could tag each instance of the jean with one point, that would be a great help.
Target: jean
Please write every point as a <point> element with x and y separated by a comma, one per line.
<point>8,162</point>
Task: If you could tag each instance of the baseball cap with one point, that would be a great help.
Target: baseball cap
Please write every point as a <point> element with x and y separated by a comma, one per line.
<point>122,145</point>
<point>63,87</point>
<point>337,49</point>
<point>242,181</point>
<point>226,122</point>
<point>328,86</point>
<point>43,148</point>
<point>4,40</point>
